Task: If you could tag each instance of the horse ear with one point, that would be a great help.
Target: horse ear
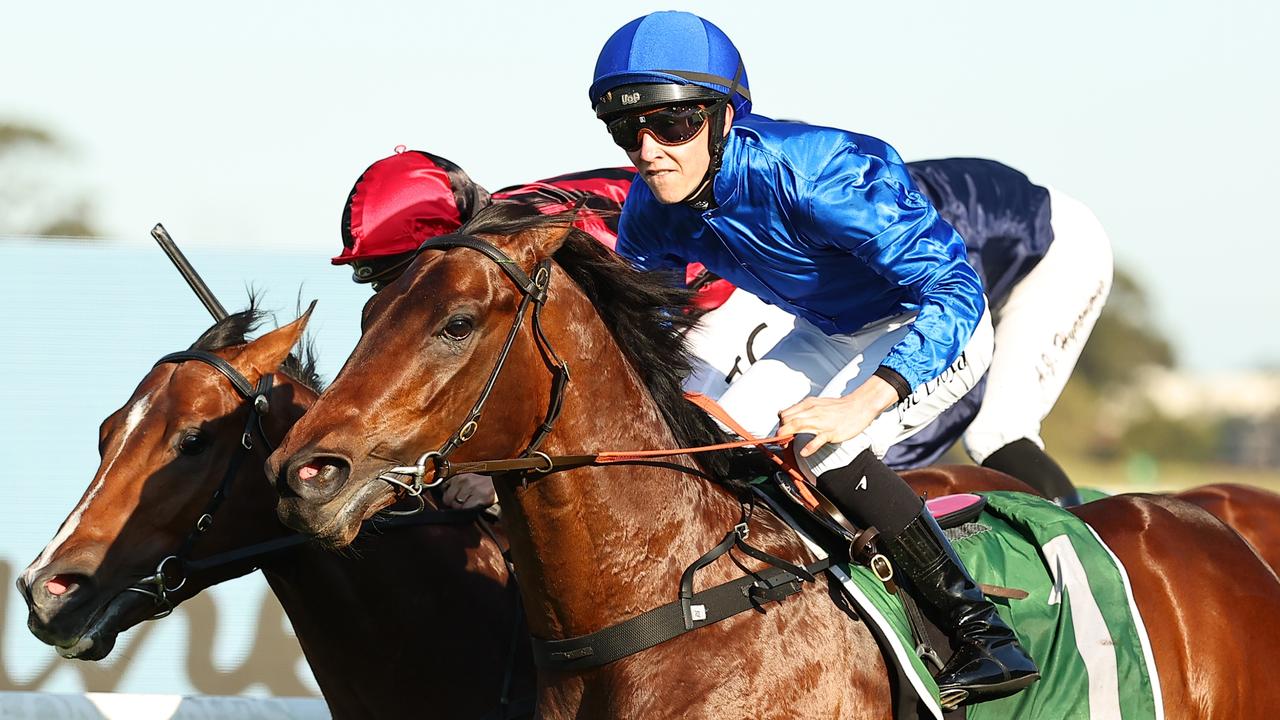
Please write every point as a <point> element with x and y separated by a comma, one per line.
<point>548,240</point>
<point>265,354</point>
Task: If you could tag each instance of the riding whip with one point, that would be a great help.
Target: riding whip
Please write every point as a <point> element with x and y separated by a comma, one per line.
<point>189,273</point>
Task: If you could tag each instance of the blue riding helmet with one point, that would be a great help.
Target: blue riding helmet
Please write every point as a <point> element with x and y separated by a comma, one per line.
<point>665,58</point>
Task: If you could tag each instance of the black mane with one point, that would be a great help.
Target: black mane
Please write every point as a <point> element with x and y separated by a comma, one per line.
<point>235,329</point>
<point>648,314</point>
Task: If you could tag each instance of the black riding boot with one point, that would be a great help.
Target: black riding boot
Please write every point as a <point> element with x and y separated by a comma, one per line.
<point>1024,460</point>
<point>988,662</point>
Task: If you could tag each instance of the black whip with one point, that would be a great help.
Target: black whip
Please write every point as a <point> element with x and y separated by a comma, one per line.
<point>188,273</point>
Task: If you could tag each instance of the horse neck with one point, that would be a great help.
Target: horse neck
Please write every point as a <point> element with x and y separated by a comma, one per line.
<point>433,599</point>
<point>431,602</point>
<point>595,545</point>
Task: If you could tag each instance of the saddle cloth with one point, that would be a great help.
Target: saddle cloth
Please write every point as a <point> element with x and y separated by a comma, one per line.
<point>1079,621</point>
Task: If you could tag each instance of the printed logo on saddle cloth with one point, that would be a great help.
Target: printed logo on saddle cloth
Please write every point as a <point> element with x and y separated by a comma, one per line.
<point>1079,620</point>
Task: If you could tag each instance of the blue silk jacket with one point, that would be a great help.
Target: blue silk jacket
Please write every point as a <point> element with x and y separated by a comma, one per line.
<point>828,225</point>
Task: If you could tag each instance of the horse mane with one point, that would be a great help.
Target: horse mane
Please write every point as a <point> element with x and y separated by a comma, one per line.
<point>648,314</point>
<point>235,329</point>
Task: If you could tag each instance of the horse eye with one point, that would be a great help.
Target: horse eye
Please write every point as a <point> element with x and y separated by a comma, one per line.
<point>458,328</point>
<point>191,444</point>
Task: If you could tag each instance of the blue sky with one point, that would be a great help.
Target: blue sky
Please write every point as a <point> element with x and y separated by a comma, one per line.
<point>243,125</point>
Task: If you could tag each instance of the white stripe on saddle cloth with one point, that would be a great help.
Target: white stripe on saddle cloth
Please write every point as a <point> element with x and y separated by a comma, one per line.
<point>1139,625</point>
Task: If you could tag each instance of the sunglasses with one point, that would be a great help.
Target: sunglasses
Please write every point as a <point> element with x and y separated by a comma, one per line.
<point>669,126</point>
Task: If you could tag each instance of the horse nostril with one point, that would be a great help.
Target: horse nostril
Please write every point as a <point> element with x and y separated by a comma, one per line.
<point>319,473</point>
<point>319,478</point>
<point>62,585</point>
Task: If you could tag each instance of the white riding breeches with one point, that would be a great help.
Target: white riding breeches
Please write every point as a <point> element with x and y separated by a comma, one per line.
<point>1041,327</point>
<point>1039,331</point>
<point>807,362</point>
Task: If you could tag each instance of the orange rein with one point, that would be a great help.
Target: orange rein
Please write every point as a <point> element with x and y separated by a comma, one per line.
<point>712,408</point>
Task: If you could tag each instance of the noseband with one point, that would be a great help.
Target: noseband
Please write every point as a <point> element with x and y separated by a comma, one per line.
<point>159,585</point>
<point>534,292</point>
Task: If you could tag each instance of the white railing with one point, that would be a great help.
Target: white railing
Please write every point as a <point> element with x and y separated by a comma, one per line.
<point>120,706</point>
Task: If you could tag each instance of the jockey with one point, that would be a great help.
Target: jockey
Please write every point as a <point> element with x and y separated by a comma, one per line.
<point>891,325</point>
<point>1046,265</point>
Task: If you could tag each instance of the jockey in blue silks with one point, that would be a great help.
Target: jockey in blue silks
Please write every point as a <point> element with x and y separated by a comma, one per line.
<point>891,322</point>
<point>1046,265</point>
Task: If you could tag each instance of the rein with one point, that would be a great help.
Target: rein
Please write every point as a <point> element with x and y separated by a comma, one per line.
<point>534,293</point>
<point>692,610</point>
<point>172,572</point>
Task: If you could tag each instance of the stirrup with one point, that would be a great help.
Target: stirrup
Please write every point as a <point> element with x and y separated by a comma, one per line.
<point>952,698</point>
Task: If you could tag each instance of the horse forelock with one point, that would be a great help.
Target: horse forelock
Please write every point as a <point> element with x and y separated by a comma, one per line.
<point>236,328</point>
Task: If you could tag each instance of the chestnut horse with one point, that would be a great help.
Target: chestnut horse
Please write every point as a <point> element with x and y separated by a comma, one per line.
<point>166,453</point>
<point>597,545</point>
<point>1253,512</point>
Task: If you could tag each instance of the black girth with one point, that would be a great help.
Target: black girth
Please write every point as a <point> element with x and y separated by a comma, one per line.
<point>692,610</point>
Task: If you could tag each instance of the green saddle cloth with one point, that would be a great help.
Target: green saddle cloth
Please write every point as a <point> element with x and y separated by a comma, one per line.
<point>1079,622</point>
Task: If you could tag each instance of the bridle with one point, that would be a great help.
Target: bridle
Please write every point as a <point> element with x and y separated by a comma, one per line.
<point>692,610</point>
<point>174,570</point>
<point>534,293</point>
<point>159,585</point>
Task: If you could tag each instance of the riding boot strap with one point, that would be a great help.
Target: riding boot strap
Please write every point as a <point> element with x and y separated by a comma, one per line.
<point>988,662</point>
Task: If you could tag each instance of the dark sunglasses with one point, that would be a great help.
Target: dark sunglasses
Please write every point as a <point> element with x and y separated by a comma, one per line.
<point>669,126</point>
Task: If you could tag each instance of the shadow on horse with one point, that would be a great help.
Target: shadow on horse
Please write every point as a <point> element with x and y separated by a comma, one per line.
<point>416,621</point>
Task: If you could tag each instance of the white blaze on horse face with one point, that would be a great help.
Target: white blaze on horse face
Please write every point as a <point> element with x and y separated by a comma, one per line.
<point>131,421</point>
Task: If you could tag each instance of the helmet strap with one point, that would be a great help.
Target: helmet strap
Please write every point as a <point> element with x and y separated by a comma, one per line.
<point>703,196</point>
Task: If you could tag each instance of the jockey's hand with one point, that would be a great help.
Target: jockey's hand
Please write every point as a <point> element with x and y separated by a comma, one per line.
<point>834,420</point>
<point>468,490</point>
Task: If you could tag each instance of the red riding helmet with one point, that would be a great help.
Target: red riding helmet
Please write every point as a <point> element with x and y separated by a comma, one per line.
<point>397,203</point>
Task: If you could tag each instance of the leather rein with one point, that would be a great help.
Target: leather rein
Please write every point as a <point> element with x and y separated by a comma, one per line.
<point>691,610</point>
<point>172,572</point>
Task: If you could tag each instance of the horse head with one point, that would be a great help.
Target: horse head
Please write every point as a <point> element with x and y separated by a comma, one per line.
<point>117,559</point>
<point>429,346</point>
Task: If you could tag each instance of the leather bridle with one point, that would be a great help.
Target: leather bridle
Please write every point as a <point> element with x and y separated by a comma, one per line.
<point>159,585</point>
<point>174,570</point>
<point>692,610</point>
<point>534,293</point>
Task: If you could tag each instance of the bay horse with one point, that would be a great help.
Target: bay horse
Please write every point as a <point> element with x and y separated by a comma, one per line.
<point>1251,511</point>
<point>601,543</point>
<point>174,445</point>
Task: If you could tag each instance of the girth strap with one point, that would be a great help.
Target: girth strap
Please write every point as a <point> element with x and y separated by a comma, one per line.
<point>664,623</point>
<point>734,538</point>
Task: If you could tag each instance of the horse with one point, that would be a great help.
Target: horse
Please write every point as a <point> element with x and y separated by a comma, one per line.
<point>500,310</point>
<point>190,433</point>
<point>1253,512</point>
